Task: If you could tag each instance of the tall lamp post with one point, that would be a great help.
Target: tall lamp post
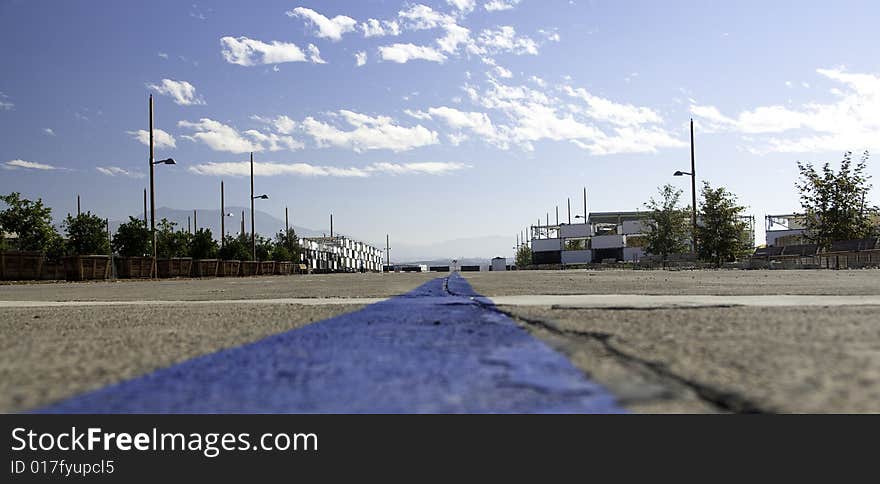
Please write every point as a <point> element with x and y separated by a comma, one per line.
<point>168,161</point>
<point>253,225</point>
<point>693,175</point>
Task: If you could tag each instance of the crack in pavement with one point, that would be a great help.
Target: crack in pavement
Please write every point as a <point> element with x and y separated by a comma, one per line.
<point>722,400</point>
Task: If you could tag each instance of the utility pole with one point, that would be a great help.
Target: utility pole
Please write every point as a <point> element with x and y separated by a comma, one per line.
<point>586,215</point>
<point>693,192</point>
<point>145,208</point>
<point>331,225</point>
<point>222,216</point>
<point>195,221</point>
<point>188,226</point>
<point>569,209</point>
<point>253,232</point>
<point>388,252</point>
<point>242,223</point>
<point>286,223</point>
<point>152,189</point>
<point>77,205</point>
<point>557,215</point>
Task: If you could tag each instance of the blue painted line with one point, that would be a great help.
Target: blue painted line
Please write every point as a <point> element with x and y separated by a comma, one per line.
<point>427,351</point>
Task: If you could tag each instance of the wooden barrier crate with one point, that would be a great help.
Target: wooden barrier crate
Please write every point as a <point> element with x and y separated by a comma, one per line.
<point>205,267</point>
<point>134,267</point>
<point>174,267</point>
<point>87,267</point>
<point>21,265</point>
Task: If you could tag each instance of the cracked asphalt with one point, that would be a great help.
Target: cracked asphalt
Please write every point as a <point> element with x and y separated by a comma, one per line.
<point>652,359</point>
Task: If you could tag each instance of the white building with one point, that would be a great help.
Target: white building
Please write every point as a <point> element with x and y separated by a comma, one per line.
<point>340,254</point>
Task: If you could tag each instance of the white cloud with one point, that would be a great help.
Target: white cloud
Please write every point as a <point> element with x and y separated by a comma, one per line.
<point>49,131</point>
<point>161,139</point>
<point>332,29</point>
<point>115,170</point>
<point>29,165</point>
<point>503,39</point>
<point>455,35</point>
<point>315,55</point>
<point>422,17</point>
<point>249,52</point>
<point>369,133</point>
<point>273,141</point>
<point>619,114</point>
<point>850,122</point>
<point>497,5</point>
<point>183,93</point>
<point>242,168</point>
<point>551,35</point>
<point>464,6</point>
<point>4,104</point>
<point>163,55</point>
<point>219,137</point>
<point>476,122</point>
<point>360,58</point>
<point>602,128</point>
<point>402,53</point>
<point>376,28</point>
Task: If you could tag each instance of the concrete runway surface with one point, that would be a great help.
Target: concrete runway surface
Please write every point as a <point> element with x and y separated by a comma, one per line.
<point>702,341</point>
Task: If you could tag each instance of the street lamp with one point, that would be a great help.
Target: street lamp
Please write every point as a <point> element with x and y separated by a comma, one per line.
<point>153,162</point>
<point>693,175</point>
<point>253,225</point>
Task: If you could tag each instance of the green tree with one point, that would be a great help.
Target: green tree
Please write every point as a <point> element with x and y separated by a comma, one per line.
<point>263,247</point>
<point>30,221</point>
<point>289,242</point>
<point>669,225</point>
<point>236,248</point>
<point>523,257</point>
<point>721,234</point>
<point>170,242</point>
<point>202,245</point>
<point>834,204</point>
<point>132,239</point>
<point>87,234</point>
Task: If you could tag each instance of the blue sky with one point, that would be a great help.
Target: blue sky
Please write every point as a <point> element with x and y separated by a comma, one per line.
<point>465,119</point>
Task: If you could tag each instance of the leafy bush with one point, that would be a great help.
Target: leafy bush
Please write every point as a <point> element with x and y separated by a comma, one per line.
<point>263,247</point>
<point>286,246</point>
<point>132,239</point>
<point>202,245</point>
<point>236,248</point>
<point>31,221</point>
<point>86,234</point>
<point>171,243</point>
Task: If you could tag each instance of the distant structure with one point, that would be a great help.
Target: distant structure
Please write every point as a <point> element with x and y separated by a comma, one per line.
<point>786,229</point>
<point>605,237</point>
<point>339,253</point>
<point>498,264</point>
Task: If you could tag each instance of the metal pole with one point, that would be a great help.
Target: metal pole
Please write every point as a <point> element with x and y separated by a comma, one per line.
<point>331,225</point>
<point>195,221</point>
<point>557,215</point>
<point>188,226</point>
<point>77,205</point>
<point>253,225</point>
<point>569,210</point>
<point>145,208</point>
<point>693,192</point>
<point>286,223</point>
<point>152,189</point>
<point>387,252</point>
<point>222,216</point>
<point>242,223</point>
<point>586,216</point>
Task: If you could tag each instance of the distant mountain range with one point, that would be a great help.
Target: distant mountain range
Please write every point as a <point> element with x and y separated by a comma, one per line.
<point>468,251</point>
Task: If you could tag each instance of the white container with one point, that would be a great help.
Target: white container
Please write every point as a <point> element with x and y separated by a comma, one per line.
<point>632,227</point>
<point>569,231</point>
<point>546,245</point>
<point>608,241</point>
<point>577,256</point>
<point>499,264</point>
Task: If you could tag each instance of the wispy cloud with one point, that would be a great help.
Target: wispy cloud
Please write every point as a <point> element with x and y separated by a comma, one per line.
<point>161,139</point>
<point>5,105</point>
<point>327,28</point>
<point>851,122</point>
<point>499,5</point>
<point>402,53</point>
<point>30,165</point>
<point>249,52</point>
<point>369,133</point>
<point>49,131</point>
<point>117,171</point>
<point>222,137</point>
<point>242,168</point>
<point>183,93</point>
<point>360,58</point>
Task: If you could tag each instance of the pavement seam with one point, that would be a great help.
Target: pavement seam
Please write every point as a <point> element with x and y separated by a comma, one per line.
<point>722,400</point>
